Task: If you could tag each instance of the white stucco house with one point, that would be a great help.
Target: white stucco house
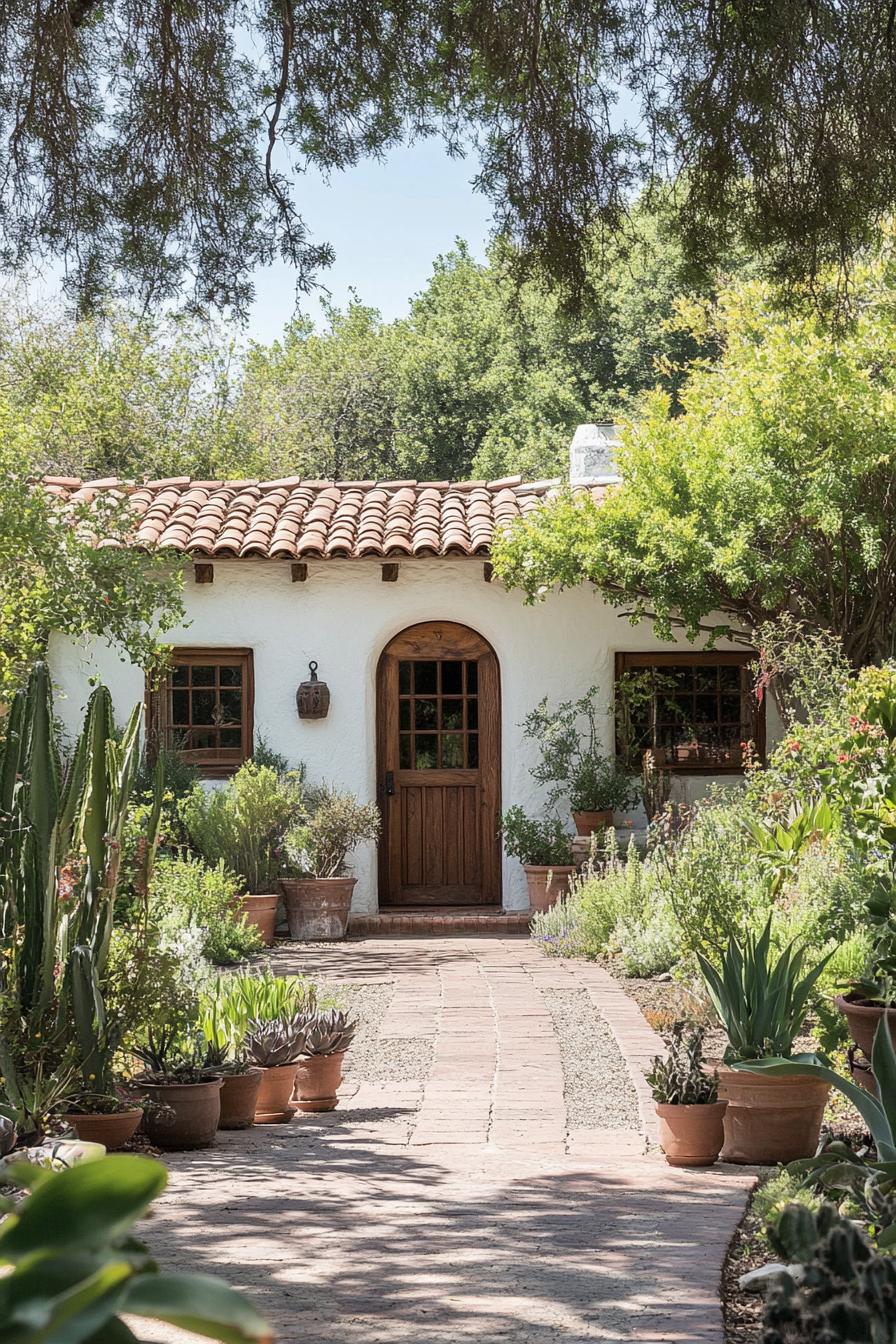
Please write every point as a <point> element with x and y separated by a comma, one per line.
<point>430,665</point>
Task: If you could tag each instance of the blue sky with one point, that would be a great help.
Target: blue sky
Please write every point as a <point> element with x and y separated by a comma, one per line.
<point>387,221</point>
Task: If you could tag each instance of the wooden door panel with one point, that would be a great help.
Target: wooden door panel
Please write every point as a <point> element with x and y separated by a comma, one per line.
<point>438,757</point>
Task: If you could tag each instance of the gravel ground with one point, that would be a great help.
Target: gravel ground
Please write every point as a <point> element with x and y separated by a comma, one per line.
<point>371,1059</point>
<point>597,1086</point>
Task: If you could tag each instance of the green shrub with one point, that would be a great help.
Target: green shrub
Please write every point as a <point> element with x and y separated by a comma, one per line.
<point>336,824</point>
<point>243,824</point>
<point>650,943</point>
<point>536,840</point>
<point>773,1196</point>
<point>186,891</point>
<point>559,930</point>
<point>711,875</point>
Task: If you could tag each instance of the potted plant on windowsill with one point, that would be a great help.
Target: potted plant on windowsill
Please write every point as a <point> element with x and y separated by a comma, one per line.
<point>761,1002</point>
<point>327,1037</point>
<point>185,1094</point>
<point>318,889</point>
<point>572,765</point>
<point>242,825</point>
<point>687,1102</point>
<point>544,848</point>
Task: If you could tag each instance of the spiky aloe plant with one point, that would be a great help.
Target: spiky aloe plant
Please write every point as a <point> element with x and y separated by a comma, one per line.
<point>60,855</point>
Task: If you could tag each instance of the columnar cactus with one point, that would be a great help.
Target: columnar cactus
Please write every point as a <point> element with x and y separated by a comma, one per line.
<point>60,854</point>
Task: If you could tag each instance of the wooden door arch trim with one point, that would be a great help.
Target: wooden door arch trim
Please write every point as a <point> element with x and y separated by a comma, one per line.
<point>445,640</point>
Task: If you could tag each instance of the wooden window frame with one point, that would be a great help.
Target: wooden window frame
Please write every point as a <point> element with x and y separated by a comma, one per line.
<point>633,662</point>
<point>211,763</point>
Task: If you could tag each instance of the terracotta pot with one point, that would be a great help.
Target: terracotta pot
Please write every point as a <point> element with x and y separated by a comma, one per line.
<point>586,823</point>
<point>113,1130</point>
<point>275,1090</point>
<point>863,1019</point>
<point>317,1080</point>
<point>691,1136</point>
<point>239,1098</point>
<point>769,1118</point>
<point>317,908</point>
<point>860,1072</point>
<point>547,883</point>
<point>190,1113</point>
<point>262,912</point>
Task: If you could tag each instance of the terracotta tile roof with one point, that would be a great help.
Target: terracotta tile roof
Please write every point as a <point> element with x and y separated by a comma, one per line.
<point>298,519</point>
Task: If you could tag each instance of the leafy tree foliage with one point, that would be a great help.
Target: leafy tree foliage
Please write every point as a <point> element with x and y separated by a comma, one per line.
<point>53,578</point>
<point>155,144</point>
<point>483,377</point>
<point>774,491</point>
<point>120,395</point>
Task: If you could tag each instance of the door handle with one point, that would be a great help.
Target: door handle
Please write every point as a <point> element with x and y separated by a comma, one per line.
<point>390,784</point>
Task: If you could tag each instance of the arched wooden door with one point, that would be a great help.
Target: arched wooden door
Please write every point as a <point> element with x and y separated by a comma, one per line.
<point>439,762</point>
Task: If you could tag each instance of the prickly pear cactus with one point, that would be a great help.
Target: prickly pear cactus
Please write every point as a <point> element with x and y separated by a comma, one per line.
<point>843,1292</point>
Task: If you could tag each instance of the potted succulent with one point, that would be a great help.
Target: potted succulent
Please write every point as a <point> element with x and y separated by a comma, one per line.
<point>242,825</point>
<point>275,1047</point>
<point>761,1002</point>
<point>687,1101</point>
<point>572,765</point>
<point>544,848</point>
<point>185,1094</point>
<point>327,1037</point>
<point>318,888</point>
<point>224,1030</point>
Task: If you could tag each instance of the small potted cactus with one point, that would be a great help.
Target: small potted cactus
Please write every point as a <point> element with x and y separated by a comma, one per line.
<point>687,1101</point>
<point>275,1047</point>
<point>327,1037</point>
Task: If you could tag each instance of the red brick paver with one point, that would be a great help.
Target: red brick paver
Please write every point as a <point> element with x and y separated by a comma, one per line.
<point>461,1205</point>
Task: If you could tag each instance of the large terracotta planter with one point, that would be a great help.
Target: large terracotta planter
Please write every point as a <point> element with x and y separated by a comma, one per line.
<point>113,1131</point>
<point>863,1019</point>
<point>262,912</point>
<point>691,1136</point>
<point>586,823</point>
<point>317,908</point>
<point>770,1118</point>
<point>185,1115</point>
<point>239,1099</point>
<point>275,1090</point>
<point>547,883</point>
<point>317,1080</point>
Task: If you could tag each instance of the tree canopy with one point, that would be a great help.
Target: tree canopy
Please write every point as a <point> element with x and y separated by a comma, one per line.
<point>482,378</point>
<point>157,146</point>
<point>774,491</point>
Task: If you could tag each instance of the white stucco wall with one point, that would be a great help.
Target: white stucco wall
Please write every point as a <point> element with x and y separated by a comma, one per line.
<point>342,617</point>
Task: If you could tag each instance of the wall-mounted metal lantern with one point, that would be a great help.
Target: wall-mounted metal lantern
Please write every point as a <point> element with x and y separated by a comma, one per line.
<point>313,696</point>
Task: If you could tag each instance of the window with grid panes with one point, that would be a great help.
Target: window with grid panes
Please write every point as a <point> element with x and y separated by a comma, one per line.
<point>694,711</point>
<point>203,710</point>
<point>438,715</point>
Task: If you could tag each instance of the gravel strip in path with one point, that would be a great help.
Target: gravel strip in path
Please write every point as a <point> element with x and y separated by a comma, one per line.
<point>597,1087</point>
<point>372,1059</point>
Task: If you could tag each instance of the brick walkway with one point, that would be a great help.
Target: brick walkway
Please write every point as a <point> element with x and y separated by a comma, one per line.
<point>461,1205</point>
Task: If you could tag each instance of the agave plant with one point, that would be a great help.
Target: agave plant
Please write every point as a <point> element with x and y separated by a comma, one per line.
<point>270,1044</point>
<point>328,1033</point>
<point>60,854</point>
<point>760,1003</point>
<point>837,1168</point>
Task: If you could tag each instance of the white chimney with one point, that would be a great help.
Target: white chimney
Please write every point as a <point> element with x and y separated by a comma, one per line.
<point>592,455</point>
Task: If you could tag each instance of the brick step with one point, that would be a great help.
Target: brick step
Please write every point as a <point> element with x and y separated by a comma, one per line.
<point>436,921</point>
